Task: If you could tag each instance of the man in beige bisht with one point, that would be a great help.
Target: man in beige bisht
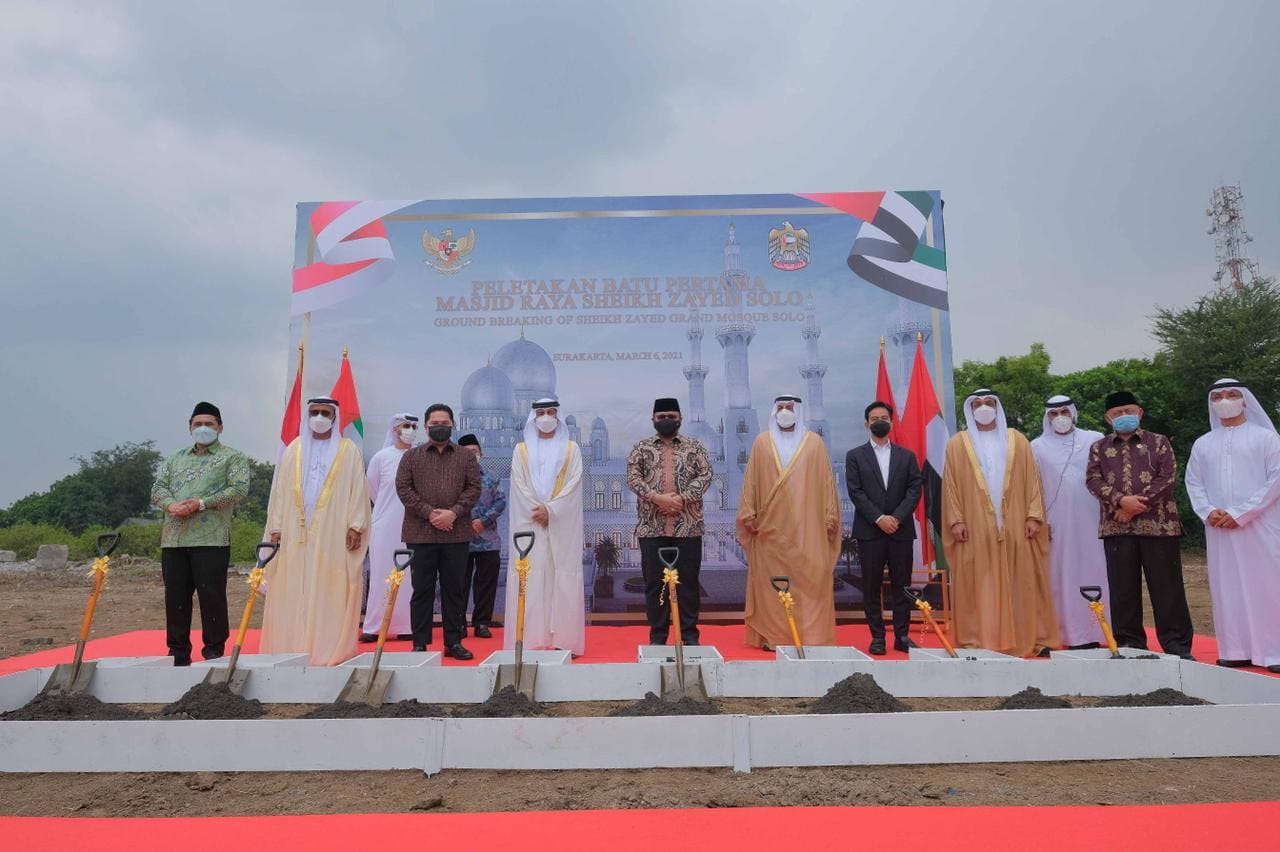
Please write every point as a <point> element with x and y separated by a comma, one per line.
<point>999,558</point>
<point>789,524</point>
<point>318,514</point>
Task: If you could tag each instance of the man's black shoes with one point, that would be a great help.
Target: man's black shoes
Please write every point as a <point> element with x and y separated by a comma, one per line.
<point>1233,664</point>
<point>482,632</point>
<point>419,648</point>
<point>368,637</point>
<point>904,644</point>
<point>876,647</point>
<point>458,652</point>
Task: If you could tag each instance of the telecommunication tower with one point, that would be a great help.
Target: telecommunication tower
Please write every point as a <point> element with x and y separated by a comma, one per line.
<point>1226,211</point>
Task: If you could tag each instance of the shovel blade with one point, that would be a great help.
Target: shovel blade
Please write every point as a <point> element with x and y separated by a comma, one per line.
<point>366,687</point>
<point>65,680</point>
<point>525,683</point>
<point>234,683</point>
<point>692,686</point>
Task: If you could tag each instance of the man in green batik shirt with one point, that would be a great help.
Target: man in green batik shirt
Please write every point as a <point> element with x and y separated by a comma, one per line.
<point>197,488</point>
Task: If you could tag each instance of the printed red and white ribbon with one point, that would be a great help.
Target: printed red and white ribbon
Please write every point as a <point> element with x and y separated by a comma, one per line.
<point>353,250</point>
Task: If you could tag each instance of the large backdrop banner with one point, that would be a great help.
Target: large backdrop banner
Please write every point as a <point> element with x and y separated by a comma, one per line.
<point>724,302</point>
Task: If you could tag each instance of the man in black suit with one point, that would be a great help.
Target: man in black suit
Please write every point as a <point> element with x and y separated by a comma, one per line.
<point>884,484</point>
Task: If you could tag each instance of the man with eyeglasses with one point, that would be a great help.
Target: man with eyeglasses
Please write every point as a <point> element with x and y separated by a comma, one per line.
<point>384,537</point>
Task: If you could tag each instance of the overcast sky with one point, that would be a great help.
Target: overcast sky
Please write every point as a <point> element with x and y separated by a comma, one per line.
<point>152,155</point>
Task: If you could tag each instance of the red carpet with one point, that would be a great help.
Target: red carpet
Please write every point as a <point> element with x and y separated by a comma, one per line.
<point>1238,826</point>
<point>605,644</point>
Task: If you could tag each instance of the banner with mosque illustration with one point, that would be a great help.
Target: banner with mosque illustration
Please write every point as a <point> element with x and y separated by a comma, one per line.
<point>724,302</point>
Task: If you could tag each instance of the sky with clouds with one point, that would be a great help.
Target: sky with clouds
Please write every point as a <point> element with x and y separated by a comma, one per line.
<point>153,154</point>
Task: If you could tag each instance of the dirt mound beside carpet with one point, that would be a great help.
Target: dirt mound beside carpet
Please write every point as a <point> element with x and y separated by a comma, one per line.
<point>652,705</point>
<point>77,707</point>
<point>507,703</point>
<point>410,708</point>
<point>1032,698</point>
<point>213,701</point>
<point>858,693</point>
<point>1164,697</point>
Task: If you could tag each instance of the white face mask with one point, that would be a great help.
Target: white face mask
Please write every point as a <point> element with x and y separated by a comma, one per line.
<point>1227,408</point>
<point>546,424</point>
<point>1062,424</point>
<point>204,435</point>
<point>321,424</point>
<point>407,434</point>
<point>786,418</point>
<point>985,414</point>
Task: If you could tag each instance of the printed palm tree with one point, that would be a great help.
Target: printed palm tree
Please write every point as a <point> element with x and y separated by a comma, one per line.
<point>848,550</point>
<point>606,553</point>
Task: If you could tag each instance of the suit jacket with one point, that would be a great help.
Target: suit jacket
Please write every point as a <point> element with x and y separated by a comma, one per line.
<point>871,498</point>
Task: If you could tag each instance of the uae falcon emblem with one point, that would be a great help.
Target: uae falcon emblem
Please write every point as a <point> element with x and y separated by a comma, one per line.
<point>789,247</point>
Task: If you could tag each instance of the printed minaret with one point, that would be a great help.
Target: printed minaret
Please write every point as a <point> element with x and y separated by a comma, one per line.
<point>741,422</point>
<point>696,373</point>
<point>815,413</point>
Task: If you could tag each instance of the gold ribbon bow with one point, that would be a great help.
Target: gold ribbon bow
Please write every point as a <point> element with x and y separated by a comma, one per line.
<point>522,568</point>
<point>787,600</point>
<point>394,579</point>
<point>670,577</point>
<point>255,577</point>
<point>100,567</point>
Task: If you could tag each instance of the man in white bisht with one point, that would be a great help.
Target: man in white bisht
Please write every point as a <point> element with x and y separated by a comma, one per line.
<point>1076,555</point>
<point>384,540</point>
<point>546,498</point>
<point>1233,479</point>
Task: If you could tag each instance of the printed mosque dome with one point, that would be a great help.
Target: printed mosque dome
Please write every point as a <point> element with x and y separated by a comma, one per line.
<point>488,389</point>
<point>527,365</point>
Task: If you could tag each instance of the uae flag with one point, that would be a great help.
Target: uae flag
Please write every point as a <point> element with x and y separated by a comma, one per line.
<point>924,432</point>
<point>291,423</point>
<point>884,390</point>
<point>344,393</point>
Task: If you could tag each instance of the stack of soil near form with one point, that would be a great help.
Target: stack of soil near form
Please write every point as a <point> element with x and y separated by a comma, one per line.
<point>213,701</point>
<point>409,708</point>
<point>652,705</point>
<point>858,693</point>
<point>77,707</point>
<point>1032,698</point>
<point>506,703</point>
<point>1163,697</point>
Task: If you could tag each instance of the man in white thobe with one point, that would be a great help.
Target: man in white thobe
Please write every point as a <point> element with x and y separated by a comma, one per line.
<point>546,499</point>
<point>1076,555</point>
<point>1233,479</point>
<point>384,541</point>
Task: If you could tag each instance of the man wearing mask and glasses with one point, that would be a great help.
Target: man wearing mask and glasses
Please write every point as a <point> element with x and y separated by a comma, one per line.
<point>197,487</point>
<point>669,474</point>
<point>1132,474</point>
<point>384,538</point>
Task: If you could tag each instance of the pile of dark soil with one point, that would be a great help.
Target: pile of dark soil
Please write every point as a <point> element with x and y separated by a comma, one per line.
<point>1032,698</point>
<point>410,708</point>
<point>1164,697</point>
<point>213,701</point>
<point>506,703</point>
<point>77,707</point>
<point>652,705</point>
<point>858,693</point>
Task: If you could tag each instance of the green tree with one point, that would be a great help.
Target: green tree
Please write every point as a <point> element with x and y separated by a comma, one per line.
<point>1022,381</point>
<point>110,486</point>
<point>254,508</point>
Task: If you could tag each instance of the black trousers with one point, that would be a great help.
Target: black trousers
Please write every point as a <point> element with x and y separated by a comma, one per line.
<point>689,565</point>
<point>202,570</point>
<point>1160,558</point>
<point>876,554</point>
<point>481,582</point>
<point>449,563</point>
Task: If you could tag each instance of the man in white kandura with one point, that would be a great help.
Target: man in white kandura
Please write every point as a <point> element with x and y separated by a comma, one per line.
<point>1076,556</point>
<point>546,498</point>
<point>318,514</point>
<point>384,539</point>
<point>1233,479</point>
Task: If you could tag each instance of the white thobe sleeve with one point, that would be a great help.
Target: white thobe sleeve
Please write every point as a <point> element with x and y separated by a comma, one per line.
<point>1261,499</point>
<point>1200,503</point>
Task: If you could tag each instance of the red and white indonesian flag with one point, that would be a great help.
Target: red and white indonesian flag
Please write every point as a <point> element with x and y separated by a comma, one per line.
<point>354,253</point>
<point>925,433</point>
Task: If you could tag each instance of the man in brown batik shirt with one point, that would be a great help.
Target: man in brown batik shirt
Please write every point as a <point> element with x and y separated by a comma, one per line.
<point>1132,473</point>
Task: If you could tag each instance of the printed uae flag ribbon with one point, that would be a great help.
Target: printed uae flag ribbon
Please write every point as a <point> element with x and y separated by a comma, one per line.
<point>889,250</point>
<point>924,432</point>
<point>344,393</point>
<point>355,254</point>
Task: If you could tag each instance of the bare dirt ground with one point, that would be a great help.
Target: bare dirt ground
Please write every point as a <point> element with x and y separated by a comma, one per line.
<point>38,611</point>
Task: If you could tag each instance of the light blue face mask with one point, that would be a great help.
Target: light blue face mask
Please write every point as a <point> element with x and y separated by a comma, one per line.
<point>1125,423</point>
<point>204,435</point>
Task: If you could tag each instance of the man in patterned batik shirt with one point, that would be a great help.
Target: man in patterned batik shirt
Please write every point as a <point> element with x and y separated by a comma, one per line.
<point>1132,473</point>
<point>197,488</point>
<point>669,473</point>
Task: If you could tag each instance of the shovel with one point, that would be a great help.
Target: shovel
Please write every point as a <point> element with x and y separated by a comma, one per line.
<point>782,585</point>
<point>514,675</point>
<point>75,676</point>
<point>927,611</point>
<point>369,686</point>
<point>232,678</point>
<point>1093,594</point>
<point>688,684</point>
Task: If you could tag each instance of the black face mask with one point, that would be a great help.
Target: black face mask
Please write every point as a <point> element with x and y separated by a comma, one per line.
<point>666,428</point>
<point>439,434</point>
<point>881,428</point>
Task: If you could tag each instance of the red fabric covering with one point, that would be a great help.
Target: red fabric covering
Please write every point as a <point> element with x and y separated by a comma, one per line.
<point>1244,825</point>
<point>605,644</point>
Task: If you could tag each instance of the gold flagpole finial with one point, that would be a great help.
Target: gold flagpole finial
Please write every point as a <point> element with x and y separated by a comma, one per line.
<point>919,337</point>
<point>344,352</point>
<point>882,343</point>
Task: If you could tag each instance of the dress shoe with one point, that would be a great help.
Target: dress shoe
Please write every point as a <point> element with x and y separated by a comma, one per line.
<point>182,661</point>
<point>1233,664</point>
<point>404,637</point>
<point>876,647</point>
<point>1186,657</point>
<point>419,648</point>
<point>1274,669</point>
<point>482,632</point>
<point>1087,646</point>
<point>368,637</point>
<point>458,652</point>
<point>904,645</point>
